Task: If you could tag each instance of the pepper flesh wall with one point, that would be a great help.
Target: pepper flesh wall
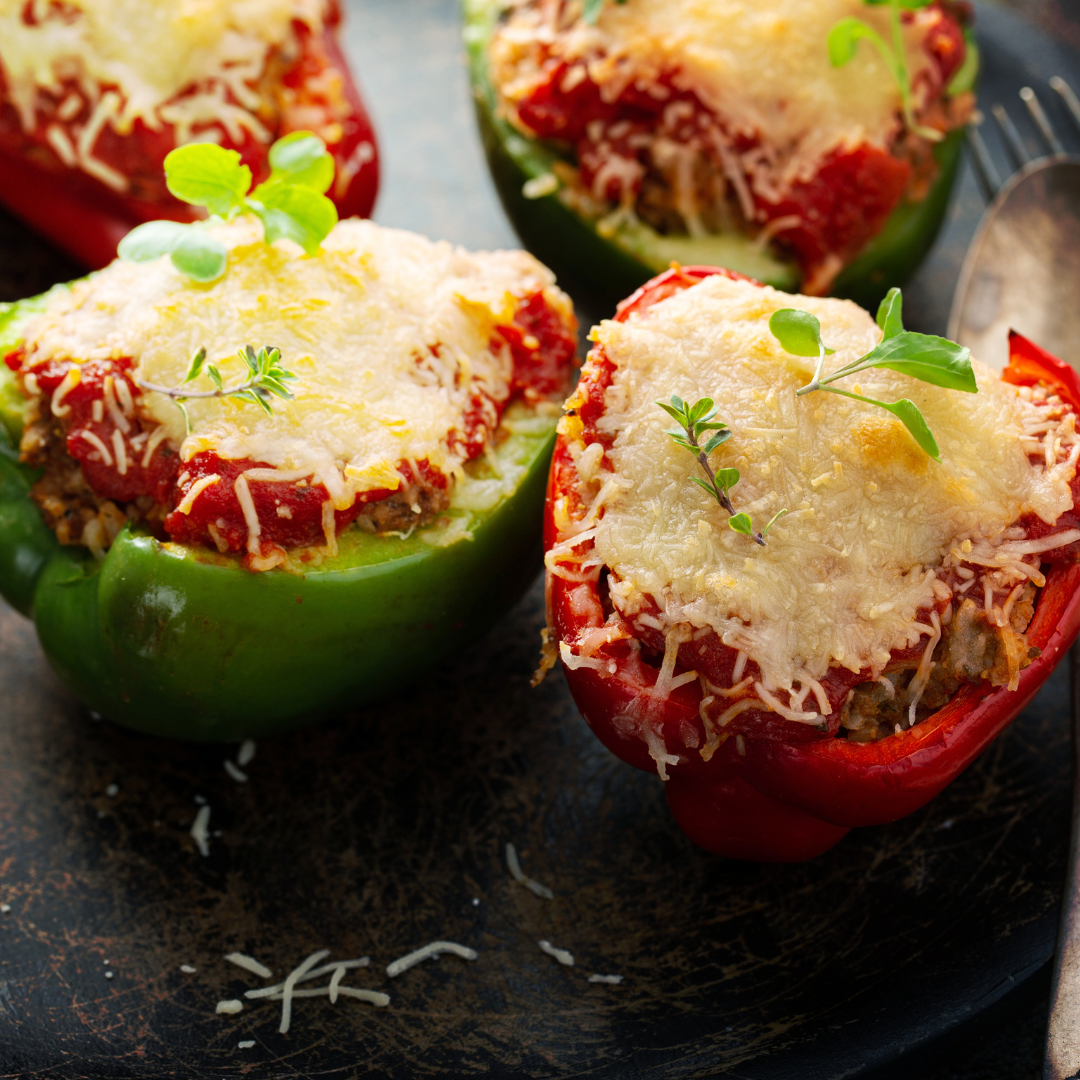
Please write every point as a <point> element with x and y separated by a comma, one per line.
<point>781,775</point>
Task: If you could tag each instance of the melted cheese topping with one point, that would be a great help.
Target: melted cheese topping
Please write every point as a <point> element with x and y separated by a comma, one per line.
<point>844,575</point>
<point>764,68</point>
<point>388,333</point>
<point>146,51</point>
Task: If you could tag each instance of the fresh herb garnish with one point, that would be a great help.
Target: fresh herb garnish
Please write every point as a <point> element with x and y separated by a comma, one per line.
<point>266,380</point>
<point>592,10</point>
<point>291,203</point>
<point>933,360</point>
<point>695,421</point>
<point>844,40</point>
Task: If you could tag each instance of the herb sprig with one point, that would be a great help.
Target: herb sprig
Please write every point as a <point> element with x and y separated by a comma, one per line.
<point>933,360</point>
<point>291,204</point>
<point>593,8</point>
<point>844,40</point>
<point>694,422</point>
<point>266,380</point>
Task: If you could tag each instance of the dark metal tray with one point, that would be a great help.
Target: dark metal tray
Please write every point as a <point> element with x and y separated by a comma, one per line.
<point>385,830</point>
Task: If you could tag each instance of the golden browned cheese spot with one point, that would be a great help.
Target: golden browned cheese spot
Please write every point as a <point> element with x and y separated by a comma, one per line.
<point>885,442</point>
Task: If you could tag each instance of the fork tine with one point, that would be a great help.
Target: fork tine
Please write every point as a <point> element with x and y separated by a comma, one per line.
<point>1038,114</point>
<point>1068,96</point>
<point>985,173</point>
<point>1014,145</point>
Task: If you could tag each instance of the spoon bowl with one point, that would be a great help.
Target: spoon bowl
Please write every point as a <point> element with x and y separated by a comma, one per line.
<point>1022,270</point>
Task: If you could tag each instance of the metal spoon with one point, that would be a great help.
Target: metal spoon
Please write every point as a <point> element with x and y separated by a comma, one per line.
<point>1022,272</point>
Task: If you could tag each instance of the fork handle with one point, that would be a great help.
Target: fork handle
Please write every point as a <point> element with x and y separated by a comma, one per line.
<point>1062,1059</point>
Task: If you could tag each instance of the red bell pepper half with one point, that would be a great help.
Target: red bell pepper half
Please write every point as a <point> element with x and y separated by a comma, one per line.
<point>769,800</point>
<point>87,218</point>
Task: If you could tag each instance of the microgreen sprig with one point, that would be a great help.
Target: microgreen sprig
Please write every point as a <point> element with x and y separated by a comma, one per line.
<point>291,204</point>
<point>844,40</point>
<point>933,360</point>
<point>694,422</point>
<point>266,380</point>
<point>592,10</point>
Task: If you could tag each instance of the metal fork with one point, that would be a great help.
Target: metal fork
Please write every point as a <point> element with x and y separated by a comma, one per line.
<point>1022,270</point>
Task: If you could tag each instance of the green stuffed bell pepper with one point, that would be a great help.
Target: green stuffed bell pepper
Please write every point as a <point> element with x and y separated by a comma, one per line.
<point>206,557</point>
<point>814,152</point>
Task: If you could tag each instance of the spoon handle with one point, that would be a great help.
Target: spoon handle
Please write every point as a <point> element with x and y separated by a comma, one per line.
<point>1062,1060</point>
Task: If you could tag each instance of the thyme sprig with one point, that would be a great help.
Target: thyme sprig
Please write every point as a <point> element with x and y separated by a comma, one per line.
<point>844,40</point>
<point>933,360</point>
<point>266,380</point>
<point>694,422</point>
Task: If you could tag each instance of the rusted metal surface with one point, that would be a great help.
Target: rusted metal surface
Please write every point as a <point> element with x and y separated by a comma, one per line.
<point>383,831</point>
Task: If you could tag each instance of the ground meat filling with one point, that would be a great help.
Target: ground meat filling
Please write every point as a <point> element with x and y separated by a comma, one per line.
<point>104,464</point>
<point>658,152</point>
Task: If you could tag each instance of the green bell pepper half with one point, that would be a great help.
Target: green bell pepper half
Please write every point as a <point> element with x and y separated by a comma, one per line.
<point>183,642</point>
<point>613,263</point>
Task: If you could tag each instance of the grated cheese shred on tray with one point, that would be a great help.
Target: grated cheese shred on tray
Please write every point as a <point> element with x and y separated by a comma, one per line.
<point>388,333</point>
<point>845,574</point>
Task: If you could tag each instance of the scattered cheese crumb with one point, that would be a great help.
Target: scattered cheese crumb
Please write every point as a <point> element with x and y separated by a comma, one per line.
<point>231,1007</point>
<point>333,968</point>
<point>198,830</point>
<point>518,875</point>
<point>247,753</point>
<point>5,909</point>
<point>249,963</point>
<point>112,790</point>
<point>200,800</point>
<point>108,974</point>
<point>436,948</point>
<point>187,969</point>
<point>287,991</point>
<point>237,774</point>
<point>612,980</point>
<point>564,956</point>
<point>246,1044</point>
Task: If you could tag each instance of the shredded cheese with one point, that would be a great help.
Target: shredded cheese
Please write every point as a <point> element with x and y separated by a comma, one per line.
<point>843,577</point>
<point>389,335</point>
<point>763,68</point>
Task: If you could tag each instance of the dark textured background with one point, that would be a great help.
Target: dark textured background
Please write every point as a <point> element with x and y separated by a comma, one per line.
<point>919,948</point>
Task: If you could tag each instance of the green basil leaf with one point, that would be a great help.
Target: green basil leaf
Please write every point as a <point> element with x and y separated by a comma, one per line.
<point>845,36</point>
<point>592,10</point>
<point>200,256</point>
<point>742,523</point>
<point>208,175</point>
<point>295,213</point>
<point>152,240</point>
<point>933,360</point>
<point>890,314</point>
<point>727,478</point>
<point>674,411</point>
<point>702,409</point>
<point>907,412</point>
<point>798,332</point>
<point>301,158</point>
<point>215,376</point>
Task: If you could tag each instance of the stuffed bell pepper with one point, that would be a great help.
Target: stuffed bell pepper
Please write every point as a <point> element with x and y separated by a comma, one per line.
<point>95,93</point>
<point>810,143</point>
<point>247,479</point>
<point>804,565</point>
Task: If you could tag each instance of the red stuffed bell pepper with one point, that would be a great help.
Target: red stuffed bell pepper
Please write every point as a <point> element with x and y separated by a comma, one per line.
<point>88,114</point>
<point>758,766</point>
